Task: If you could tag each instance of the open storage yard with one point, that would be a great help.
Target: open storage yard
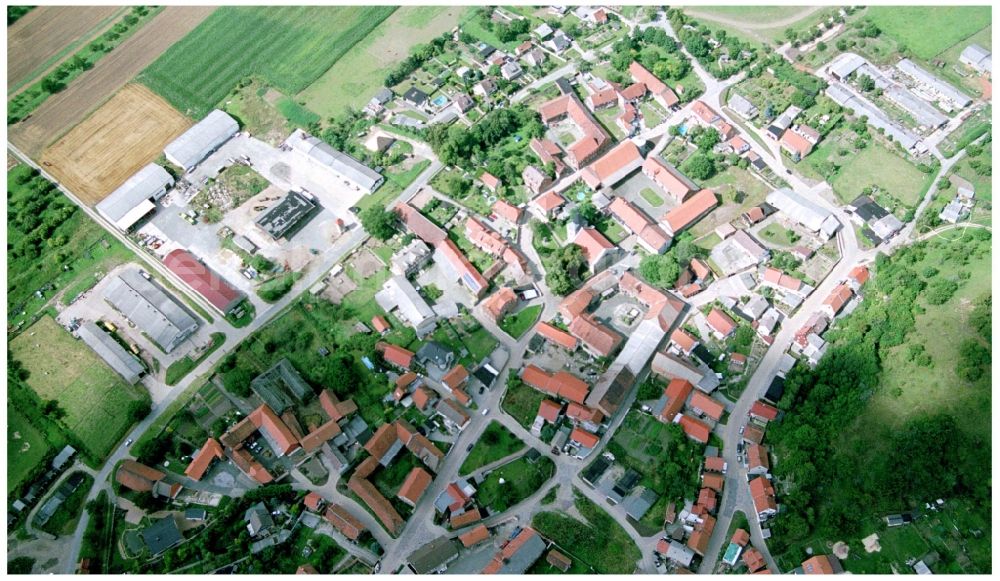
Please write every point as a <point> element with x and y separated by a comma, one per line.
<point>47,34</point>
<point>125,134</point>
<point>288,46</point>
<point>63,369</point>
<point>62,111</point>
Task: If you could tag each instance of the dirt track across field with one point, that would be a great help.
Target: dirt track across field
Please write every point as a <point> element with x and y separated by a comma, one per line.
<point>64,110</point>
<point>126,133</point>
<point>43,33</point>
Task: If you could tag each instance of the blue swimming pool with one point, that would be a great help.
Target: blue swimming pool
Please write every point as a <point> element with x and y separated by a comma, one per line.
<point>440,100</point>
<point>683,130</point>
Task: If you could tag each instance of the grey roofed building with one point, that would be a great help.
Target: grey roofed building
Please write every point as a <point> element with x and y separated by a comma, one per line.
<point>942,88</point>
<point>742,106</point>
<point>798,208</point>
<point>738,252</point>
<point>201,140</point>
<point>398,294</point>
<point>639,502</point>
<point>384,95</point>
<point>886,226</point>
<point>560,41</point>
<point>865,208</point>
<point>133,200</point>
<point>953,212</point>
<point>195,514</point>
<point>963,186</point>
<point>351,170</point>
<point>849,99</point>
<point>526,554</point>
<point>433,556</point>
<point>671,366</point>
<point>679,554</point>
<point>409,259</point>
<point>244,244</point>
<point>770,319</point>
<point>511,70</point>
<point>120,360</point>
<point>845,64</point>
<point>923,112</point>
<point>436,353</point>
<point>978,58</point>
<point>151,309</point>
<point>452,413</point>
<point>564,86</point>
<point>279,384</point>
<point>543,31</point>
<point>415,97</point>
<point>62,457</point>
<point>161,535</point>
<point>286,216</point>
<point>406,121</point>
<point>755,307</point>
<point>258,519</point>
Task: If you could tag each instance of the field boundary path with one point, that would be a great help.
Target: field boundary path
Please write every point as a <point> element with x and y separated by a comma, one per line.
<point>64,110</point>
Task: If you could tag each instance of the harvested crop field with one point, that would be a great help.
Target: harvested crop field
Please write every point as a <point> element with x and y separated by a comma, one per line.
<point>46,34</point>
<point>125,134</point>
<point>62,111</point>
<point>64,369</point>
<point>289,47</point>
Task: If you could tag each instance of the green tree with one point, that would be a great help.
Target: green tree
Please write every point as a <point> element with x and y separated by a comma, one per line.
<point>699,166</point>
<point>380,222</point>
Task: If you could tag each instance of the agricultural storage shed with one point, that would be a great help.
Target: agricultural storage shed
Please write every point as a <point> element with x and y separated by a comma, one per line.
<point>200,141</point>
<point>216,291</point>
<point>286,216</point>
<point>155,312</point>
<point>120,360</point>
<point>135,198</point>
<point>800,210</point>
<point>351,170</point>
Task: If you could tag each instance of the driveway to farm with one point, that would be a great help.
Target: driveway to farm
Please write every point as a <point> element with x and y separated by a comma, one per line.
<point>344,246</point>
<point>62,111</point>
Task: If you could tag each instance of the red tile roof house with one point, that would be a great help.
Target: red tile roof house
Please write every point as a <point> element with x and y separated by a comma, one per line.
<point>456,378</point>
<point>381,325</point>
<point>763,497</point>
<point>757,460</point>
<point>631,93</point>
<point>694,429</point>
<point>138,477</point>
<point>821,565</point>
<point>674,396</point>
<point>414,486</point>
<point>763,411</point>
<point>584,439</point>
<point>858,277</point>
<point>649,235</point>
<point>594,140</point>
<point>754,560</point>
<point>549,411</point>
<point>713,481</point>
<point>474,536</point>
<point>596,339</point>
<point>703,404</point>
<point>797,146</point>
<point>613,167</point>
<point>556,336</point>
<point>561,383</point>
<point>692,210</point>
<point>606,97</point>
<point>219,293</point>
<point>598,250</point>
<point>669,178</point>
<point>490,181</point>
<point>344,521</point>
<point>684,342</point>
<point>507,211</point>
<point>464,271</point>
<point>722,325</point>
<point>500,303</point>
<point>545,205</point>
<point>589,418</point>
<point>839,297</point>
<point>313,502</point>
<point>704,113</point>
<point>740,538</point>
<point>626,120</point>
<point>661,93</point>
<point>395,355</point>
<point>203,459</point>
<point>715,464</point>
<point>547,151</point>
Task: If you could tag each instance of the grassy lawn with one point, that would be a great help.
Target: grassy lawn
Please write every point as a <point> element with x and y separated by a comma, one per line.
<point>496,442</point>
<point>708,242</point>
<point>521,402</point>
<point>969,84</point>
<point>395,183</point>
<point>600,543</point>
<point>607,118</point>
<point>876,165</point>
<point>290,46</point>
<point>355,78</point>
<point>517,324</point>
<point>522,478</point>
<point>180,368</point>
<point>727,186</point>
<point>983,184</point>
<point>651,197</point>
<point>971,129</point>
<point>651,113</point>
<point>929,30</point>
<point>775,234</point>
<point>93,396</point>
<point>26,446</point>
<point>464,333</point>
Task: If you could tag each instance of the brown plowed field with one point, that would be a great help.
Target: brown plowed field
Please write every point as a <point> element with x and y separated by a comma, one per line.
<point>126,133</point>
<point>63,110</point>
<point>45,32</point>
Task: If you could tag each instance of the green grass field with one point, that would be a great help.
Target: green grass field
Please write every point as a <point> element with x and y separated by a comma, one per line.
<point>355,78</point>
<point>521,402</point>
<point>496,442</point>
<point>66,370</point>
<point>599,542</point>
<point>651,197</point>
<point>876,165</point>
<point>929,30</point>
<point>518,323</point>
<point>983,184</point>
<point>288,46</point>
<point>26,446</point>
<point>522,478</point>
